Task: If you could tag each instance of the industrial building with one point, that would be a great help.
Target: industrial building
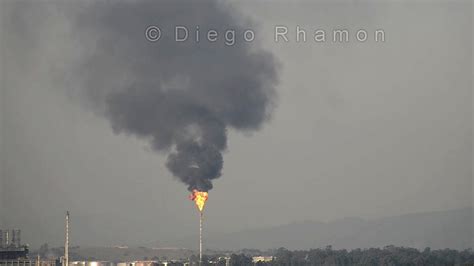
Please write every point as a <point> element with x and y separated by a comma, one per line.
<point>11,247</point>
<point>257,259</point>
<point>91,263</point>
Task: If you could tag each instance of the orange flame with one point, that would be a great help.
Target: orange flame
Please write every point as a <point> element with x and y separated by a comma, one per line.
<point>200,198</point>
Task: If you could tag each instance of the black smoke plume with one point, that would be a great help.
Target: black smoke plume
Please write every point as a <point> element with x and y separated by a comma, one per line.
<point>181,96</point>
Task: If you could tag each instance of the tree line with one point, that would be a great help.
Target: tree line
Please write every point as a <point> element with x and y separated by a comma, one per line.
<point>389,256</point>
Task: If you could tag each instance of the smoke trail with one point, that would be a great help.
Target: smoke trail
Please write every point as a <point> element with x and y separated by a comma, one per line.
<point>181,96</point>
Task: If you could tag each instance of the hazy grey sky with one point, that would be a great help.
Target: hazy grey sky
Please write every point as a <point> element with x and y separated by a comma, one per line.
<point>360,129</point>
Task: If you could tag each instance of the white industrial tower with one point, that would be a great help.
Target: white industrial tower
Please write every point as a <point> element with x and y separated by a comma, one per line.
<point>66,245</point>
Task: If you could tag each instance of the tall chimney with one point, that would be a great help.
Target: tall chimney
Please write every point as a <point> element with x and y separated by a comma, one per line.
<point>18,238</point>
<point>7,240</point>
<point>66,245</point>
<point>13,238</point>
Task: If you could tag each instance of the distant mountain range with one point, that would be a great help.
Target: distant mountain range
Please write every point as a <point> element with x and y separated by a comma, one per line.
<point>437,230</point>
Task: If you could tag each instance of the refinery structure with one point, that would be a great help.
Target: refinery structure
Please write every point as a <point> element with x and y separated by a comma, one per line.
<point>14,253</point>
<point>10,245</point>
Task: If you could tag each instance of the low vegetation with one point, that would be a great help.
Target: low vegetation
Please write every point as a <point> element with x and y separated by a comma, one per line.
<point>389,255</point>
